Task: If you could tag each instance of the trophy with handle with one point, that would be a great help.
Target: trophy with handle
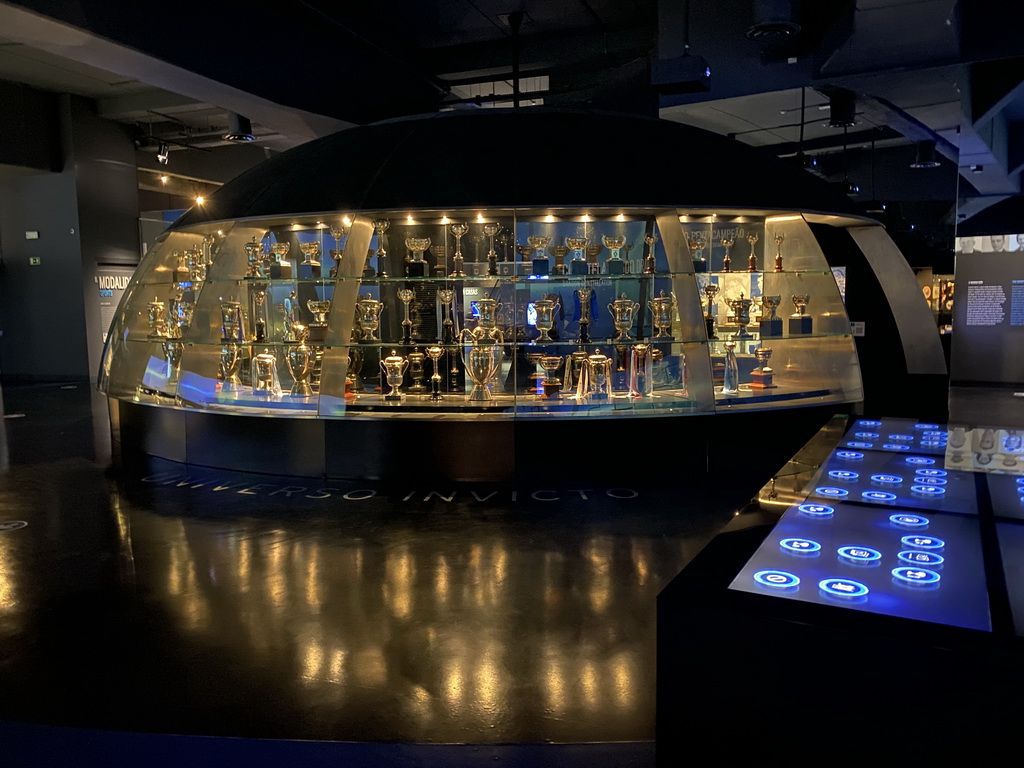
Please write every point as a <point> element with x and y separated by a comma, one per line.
<point>394,367</point>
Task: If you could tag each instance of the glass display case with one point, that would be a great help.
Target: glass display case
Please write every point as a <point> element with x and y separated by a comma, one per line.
<point>485,314</point>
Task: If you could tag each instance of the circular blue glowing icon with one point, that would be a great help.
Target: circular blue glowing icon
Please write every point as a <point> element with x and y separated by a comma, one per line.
<point>916,576</point>
<point>878,496</point>
<point>860,555</point>
<point>923,542</point>
<point>920,559</point>
<point>896,447</point>
<point>859,444</point>
<point>816,510</point>
<point>868,423</point>
<point>832,493</point>
<point>927,491</point>
<point>777,579</point>
<point>909,521</point>
<point>923,461</point>
<point>932,444</point>
<point>843,474</point>
<point>866,435</point>
<point>926,426</point>
<point>930,480</point>
<point>850,455</point>
<point>1020,481</point>
<point>800,546</point>
<point>937,434</point>
<point>930,472</point>
<point>901,437</point>
<point>845,588</point>
<point>887,479</point>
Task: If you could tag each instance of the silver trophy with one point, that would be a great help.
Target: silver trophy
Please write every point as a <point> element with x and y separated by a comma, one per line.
<point>318,328</point>
<point>264,374</point>
<point>231,322</point>
<point>583,296</point>
<point>731,383</point>
<point>551,385</point>
<point>482,358</point>
<point>622,310</point>
<point>230,363</point>
<point>446,299</point>
<point>300,361</point>
<point>338,251</point>
<point>661,316</point>
<point>417,372</point>
<point>380,226</point>
<point>650,262</point>
<point>368,311</point>
<point>641,370</point>
<point>491,230</point>
<point>405,295</point>
<point>741,314</point>
<point>434,353</point>
<point>394,367</point>
<point>545,319</point>
<point>253,259</point>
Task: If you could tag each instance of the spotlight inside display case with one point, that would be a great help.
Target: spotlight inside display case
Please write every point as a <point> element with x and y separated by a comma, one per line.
<point>471,314</point>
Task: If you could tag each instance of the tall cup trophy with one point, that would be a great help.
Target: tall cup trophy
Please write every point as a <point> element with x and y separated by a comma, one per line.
<point>650,261</point>
<point>573,370</point>
<point>800,323</point>
<point>405,295</point>
<point>545,320</point>
<point>394,367</point>
<point>578,264</point>
<point>300,360</point>
<point>552,385</point>
<point>157,312</point>
<point>417,267</point>
<point>482,356</point>
<point>592,251</point>
<point>446,300</point>
<point>622,310</point>
<point>253,259</point>
<point>731,382</point>
<point>727,242</point>
<point>614,265</point>
<point>258,311</point>
<point>458,230</point>
<point>541,263</point>
<point>486,330</point>
<point>172,354</point>
<point>183,272</point>
<point>264,375</point>
<point>417,372</point>
<point>641,371</point>
<point>368,311</point>
<point>318,328</point>
<point>309,268</point>
<point>380,226</point>
<point>770,326</point>
<point>560,268</point>
<point>661,316</point>
<point>697,244</point>
<point>231,322</point>
<point>338,251</point>
<point>230,363</point>
<point>596,382</point>
<point>761,377</point>
<point>281,268</point>
<point>711,290</point>
<point>583,296</point>
<point>779,239</point>
<point>741,313</point>
<point>434,353</point>
<point>491,229</point>
<point>752,238</point>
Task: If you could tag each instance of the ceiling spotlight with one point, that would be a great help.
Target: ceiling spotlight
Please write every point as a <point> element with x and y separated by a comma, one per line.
<point>162,153</point>
<point>200,200</point>
<point>925,155</point>
<point>239,128</point>
<point>842,108</point>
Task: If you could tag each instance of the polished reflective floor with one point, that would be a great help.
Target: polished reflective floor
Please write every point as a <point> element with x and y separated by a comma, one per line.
<point>167,599</point>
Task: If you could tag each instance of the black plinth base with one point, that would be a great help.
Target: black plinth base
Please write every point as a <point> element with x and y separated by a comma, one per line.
<point>801,326</point>
<point>614,267</point>
<point>699,265</point>
<point>771,328</point>
<point>579,267</point>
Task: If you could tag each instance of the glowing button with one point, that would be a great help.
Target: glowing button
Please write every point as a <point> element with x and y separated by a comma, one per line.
<point>843,474</point>
<point>887,479</point>
<point>927,490</point>
<point>867,423</point>
<point>832,493</point>
<point>909,521</point>
<point>930,472</point>
<point>913,557</point>
<point>930,480</point>
<point>1020,481</point>
<point>816,510</point>
<point>850,455</point>
<point>866,435</point>
<point>923,461</point>
<point>858,444</point>
<point>777,579</point>
<point>923,542</point>
<point>933,444</point>
<point>926,426</point>
<point>878,496</point>
<point>860,555</point>
<point>901,437</point>
<point>916,576</point>
<point>800,546</point>
<point>845,588</point>
<point>896,447</point>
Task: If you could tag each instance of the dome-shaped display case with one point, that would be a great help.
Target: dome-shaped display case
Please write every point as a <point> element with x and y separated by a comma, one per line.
<point>473,314</point>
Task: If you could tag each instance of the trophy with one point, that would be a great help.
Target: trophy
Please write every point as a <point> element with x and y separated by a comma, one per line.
<point>629,264</point>
<point>592,251</point>
<point>338,251</point>
<point>417,267</point>
<point>551,385</point>
<point>650,262</point>
<point>573,370</point>
<point>206,258</point>
<point>230,363</point>
<point>779,238</point>
<point>318,328</point>
<point>353,382</point>
<point>596,381</point>
<point>560,252</point>
<point>446,298</point>
<point>541,263</point>
<point>181,313</point>
<point>264,374</point>
<point>231,322</point>
<point>482,358</point>
<point>281,268</point>
<point>711,290</point>
<point>614,265</point>
<point>741,314</point>
<point>752,238</point>
<point>486,328</point>
<point>458,229</point>
<point>417,372</point>
<point>661,316</point>
<point>545,319</point>
<point>310,266</point>
<point>405,295</point>
<point>535,385</point>
<point>172,354</point>
<point>394,367</point>
<point>622,310</point>
<point>731,382</point>
<point>641,370</point>
<point>491,229</point>
<point>683,374</point>
<point>369,273</point>
<point>761,377</point>
<point>259,320</point>
<point>182,273</point>
<point>380,226</point>
<point>157,311</point>
<point>583,295</point>
<point>253,258</point>
<point>771,325</point>
<point>434,353</point>
<point>800,322</point>
<point>697,245</point>
<point>578,264</point>
<point>727,243</point>
<point>368,311</point>
<point>300,361</point>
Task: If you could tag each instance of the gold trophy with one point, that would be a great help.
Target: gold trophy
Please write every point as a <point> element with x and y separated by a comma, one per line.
<point>752,238</point>
<point>417,372</point>
<point>183,273</point>
<point>258,296</point>
<point>574,364</point>
<point>727,243</point>
<point>491,229</point>
<point>394,367</point>
<point>741,314</point>
<point>157,311</point>
<point>380,226</point>
<point>172,354</point>
<point>310,266</point>
<point>583,295</point>
<point>458,230</point>
<point>230,363</point>
<point>406,295</point>
<point>578,264</point>
<point>417,267</point>
<point>482,357</point>
<point>338,251</point>
<point>368,311</point>
<point>614,265</point>
<point>771,325</point>
<point>661,316</point>
<point>698,243</point>
<point>650,261</point>
<point>281,268</point>
<point>264,374</point>
<point>253,258</point>
<point>434,353</point>
<point>300,361</point>
<point>779,239</point>
<point>800,323</point>
<point>622,310</point>
<point>446,298</point>
<point>486,328</point>
<point>761,377</point>
<point>541,263</point>
<point>545,320</point>
<point>711,290</point>
<point>318,328</point>
<point>231,322</point>
<point>551,385</point>
<point>593,251</point>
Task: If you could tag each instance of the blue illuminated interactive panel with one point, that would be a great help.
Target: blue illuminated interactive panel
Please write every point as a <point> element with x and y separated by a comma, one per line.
<point>896,436</point>
<point>1007,492</point>
<point>1011,546</point>
<point>898,562</point>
